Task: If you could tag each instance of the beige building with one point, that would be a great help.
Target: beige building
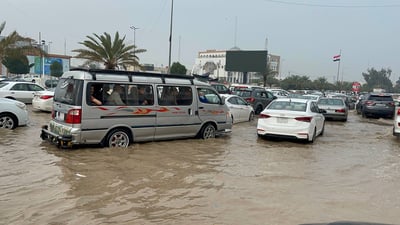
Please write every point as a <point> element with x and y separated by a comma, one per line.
<point>213,62</point>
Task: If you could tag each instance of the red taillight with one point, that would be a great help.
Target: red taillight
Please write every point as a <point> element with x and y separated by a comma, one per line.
<point>250,99</point>
<point>398,111</point>
<point>73,116</point>
<point>304,119</point>
<point>46,97</point>
<point>264,116</point>
<point>340,110</point>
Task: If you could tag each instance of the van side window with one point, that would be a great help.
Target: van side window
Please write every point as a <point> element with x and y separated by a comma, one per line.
<point>209,96</point>
<point>117,95</point>
<point>185,96</point>
<point>94,94</point>
<point>167,95</point>
<point>140,95</point>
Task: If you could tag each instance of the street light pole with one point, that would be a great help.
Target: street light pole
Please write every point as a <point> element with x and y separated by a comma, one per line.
<point>170,37</point>
<point>134,43</point>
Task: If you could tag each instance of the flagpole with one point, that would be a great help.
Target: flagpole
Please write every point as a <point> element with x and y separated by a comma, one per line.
<point>338,69</point>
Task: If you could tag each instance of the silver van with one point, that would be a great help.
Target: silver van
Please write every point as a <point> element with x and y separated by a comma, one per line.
<point>116,108</point>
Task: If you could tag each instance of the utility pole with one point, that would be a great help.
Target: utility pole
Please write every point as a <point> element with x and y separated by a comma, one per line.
<point>134,43</point>
<point>170,37</point>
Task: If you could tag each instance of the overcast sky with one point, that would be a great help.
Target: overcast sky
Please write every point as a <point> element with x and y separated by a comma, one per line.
<point>305,33</point>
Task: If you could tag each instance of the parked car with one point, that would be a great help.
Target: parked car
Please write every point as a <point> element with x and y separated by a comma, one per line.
<point>43,100</point>
<point>12,113</point>
<point>51,83</point>
<point>396,122</point>
<point>240,109</point>
<point>279,93</point>
<point>291,118</point>
<point>378,105</point>
<point>335,108</point>
<point>359,102</point>
<point>258,98</point>
<point>221,88</point>
<point>19,90</point>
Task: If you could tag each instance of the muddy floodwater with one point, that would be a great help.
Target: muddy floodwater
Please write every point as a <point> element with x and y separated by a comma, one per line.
<point>351,173</point>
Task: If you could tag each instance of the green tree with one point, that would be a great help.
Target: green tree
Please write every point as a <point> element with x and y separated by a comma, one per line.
<point>14,44</point>
<point>178,68</point>
<point>296,82</point>
<point>16,62</point>
<point>56,69</point>
<point>378,79</point>
<point>113,54</point>
<point>321,83</point>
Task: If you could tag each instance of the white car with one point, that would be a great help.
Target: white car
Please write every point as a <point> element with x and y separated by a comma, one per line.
<point>12,114</point>
<point>43,100</point>
<point>240,109</point>
<point>291,118</point>
<point>19,90</point>
<point>396,122</point>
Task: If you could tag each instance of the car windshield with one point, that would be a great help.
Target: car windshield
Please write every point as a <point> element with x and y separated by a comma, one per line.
<point>330,102</point>
<point>380,98</point>
<point>243,93</point>
<point>291,106</point>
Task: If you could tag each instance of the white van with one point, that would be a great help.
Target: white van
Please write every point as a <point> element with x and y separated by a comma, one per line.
<point>116,108</point>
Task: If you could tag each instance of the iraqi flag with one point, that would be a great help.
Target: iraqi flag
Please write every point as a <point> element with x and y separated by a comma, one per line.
<point>336,58</point>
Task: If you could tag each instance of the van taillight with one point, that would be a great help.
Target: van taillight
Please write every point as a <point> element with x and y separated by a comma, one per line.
<point>304,119</point>
<point>73,116</point>
<point>398,111</point>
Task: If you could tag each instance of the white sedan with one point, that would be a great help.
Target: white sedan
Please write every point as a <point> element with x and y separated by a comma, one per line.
<point>19,90</point>
<point>240,109</point>
<point>12,114</point>
<point>43,100</point>
<point>291,118</point>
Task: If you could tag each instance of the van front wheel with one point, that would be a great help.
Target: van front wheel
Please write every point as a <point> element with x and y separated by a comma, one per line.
<point>117,138</point>
<point>208,131</point>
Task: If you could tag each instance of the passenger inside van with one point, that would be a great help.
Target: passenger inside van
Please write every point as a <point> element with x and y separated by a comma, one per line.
<point>115,97</point>
<point>94,99</point>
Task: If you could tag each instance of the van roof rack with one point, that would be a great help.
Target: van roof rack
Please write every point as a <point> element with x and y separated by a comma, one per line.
<point>93,72</point>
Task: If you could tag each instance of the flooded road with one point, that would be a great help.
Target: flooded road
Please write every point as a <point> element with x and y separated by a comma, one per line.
<point>351,173</point>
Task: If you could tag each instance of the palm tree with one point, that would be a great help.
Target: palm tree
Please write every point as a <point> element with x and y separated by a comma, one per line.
<point>14,43</point>
<point>112,53</point>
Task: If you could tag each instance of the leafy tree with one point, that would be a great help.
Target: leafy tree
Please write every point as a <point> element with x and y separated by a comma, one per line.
<point>16,62</point>
<point>56,69</point>
<point>178,68</point>
<point>12,43</point>
<point>321,83</point>
<point>296,82</point>
<point>378,79</point>
<point>112,53</point>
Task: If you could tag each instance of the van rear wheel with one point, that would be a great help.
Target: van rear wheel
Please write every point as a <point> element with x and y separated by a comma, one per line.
<point>207,132</point>
<point>117,138</point>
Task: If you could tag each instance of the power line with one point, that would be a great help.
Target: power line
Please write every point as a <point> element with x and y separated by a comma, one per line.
<point>333,6</point>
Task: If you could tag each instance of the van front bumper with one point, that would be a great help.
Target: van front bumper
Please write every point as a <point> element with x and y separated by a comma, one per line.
<point>64,141</point>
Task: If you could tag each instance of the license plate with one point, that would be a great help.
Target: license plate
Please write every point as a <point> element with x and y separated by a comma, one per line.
<point>282,120</point>
<point>60,116</point>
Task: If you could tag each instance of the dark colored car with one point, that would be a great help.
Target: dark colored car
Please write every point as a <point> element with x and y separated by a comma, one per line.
<point>257,97</point>
<point>221,88</point>
<point>378,105</point>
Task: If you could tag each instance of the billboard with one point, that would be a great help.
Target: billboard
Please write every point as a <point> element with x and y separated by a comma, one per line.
<point>246,61</point>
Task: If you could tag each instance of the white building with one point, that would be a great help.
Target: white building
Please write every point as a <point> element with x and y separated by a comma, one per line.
<point>213,62</point>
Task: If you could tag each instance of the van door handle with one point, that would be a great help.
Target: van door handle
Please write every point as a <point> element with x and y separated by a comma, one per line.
<point>190,111</point>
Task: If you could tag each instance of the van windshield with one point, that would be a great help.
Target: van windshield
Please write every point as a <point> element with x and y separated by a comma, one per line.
<point>69,91</point>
